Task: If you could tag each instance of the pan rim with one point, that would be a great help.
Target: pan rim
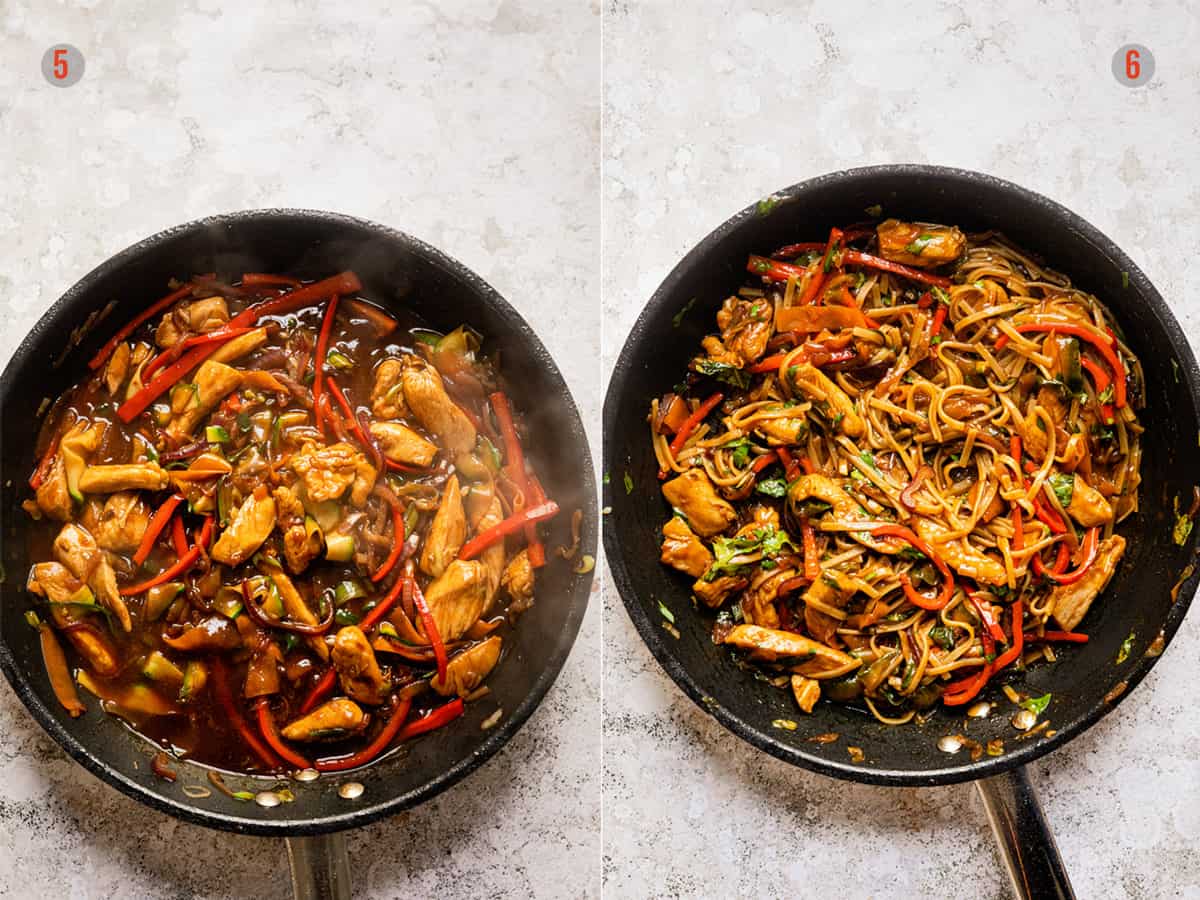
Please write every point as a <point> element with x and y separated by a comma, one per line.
<point>578,597</point>
<point>652,635</point>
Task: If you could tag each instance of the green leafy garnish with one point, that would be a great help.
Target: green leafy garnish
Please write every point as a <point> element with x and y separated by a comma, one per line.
<point>942,636</point>
<point>917,247</point>
<point>767,541</point>
<point>1126,648</point>
<point>940,295</point>
<point>721,371</point>
<point>767,205</point>
<point>741,452</point>
<point>605,479</point>
<point>628,483</point>
<point>772,487</point>
<point>1063,486</point>
<point>677,319</point>
<point>666,613</point>
<point>1037,705</point>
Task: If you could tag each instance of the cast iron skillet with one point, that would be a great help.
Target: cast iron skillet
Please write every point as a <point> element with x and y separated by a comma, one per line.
<point>397,271</point>
<point>1086,684</point>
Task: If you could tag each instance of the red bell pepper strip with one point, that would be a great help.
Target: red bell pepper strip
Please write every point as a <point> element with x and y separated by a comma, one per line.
<point>1091,544</point>
<point>939,319</point>
<point>812,565</point>
<point>792,584</point>
<point>319,361</point>
<point>42,472</point>
<point>443,715</point>
<point>131,326</point>
<point>774,269</point>
<point>689,425</point>
<point>960,692</point>
<point>382,741</point>
<point>234,715</point>
<point>158,522</point>
<point>320,690</point>
<point>807,465</point>
<point>431,630</point>
<point>267,726</point>
<point>501,530</point>
<point>1060,561</point>
<point>925,301</point>
<point>263,279</point>
<point>178,537</point>
<point>354,422</point>
<point>398,537</point>
<point>985,616</point>
<point>906,534</point>
<point>1071,637</point>
<point>1018,644</point>
<point>858,258</point>
<point>304,296</point>
<point>340,284</point>
<point>394,466</point>
<point>1105,348</point>
<point>384,606</point>
<point>763,461</point>
<point>797,249</point>
<point>217,335</point>
<point>515,458</point>
<point>184,563</point>
<point>790,467</point>
<point>1102,381</point>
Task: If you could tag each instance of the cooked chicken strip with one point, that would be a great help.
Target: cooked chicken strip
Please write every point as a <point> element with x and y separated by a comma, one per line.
<point>332,721</point>
<point>357,668</point>
<point>833,402</point>
<point>1070,602</point>
<point>447,532</point>
<point>403,445</point>
<point>76,549</point>
<point>468,669</point>
<point>437,413</point>
<point>251,525</point>
<point>458,597</point>
<point>214,381</point>
<point>387,394</point>
<point>693,494</point>
<point>147,476</point>
<point>683,550</point>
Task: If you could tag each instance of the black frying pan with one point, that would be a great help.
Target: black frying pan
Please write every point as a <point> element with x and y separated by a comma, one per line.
<point>1086,683</point>
<point>397,271</point>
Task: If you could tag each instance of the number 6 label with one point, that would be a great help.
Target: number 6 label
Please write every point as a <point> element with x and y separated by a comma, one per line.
<point>1133,65</point>
<point>62,65</point>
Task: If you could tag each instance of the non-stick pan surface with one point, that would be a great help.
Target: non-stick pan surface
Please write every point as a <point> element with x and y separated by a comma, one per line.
<point>398,272</point>
<point>1087,682</point>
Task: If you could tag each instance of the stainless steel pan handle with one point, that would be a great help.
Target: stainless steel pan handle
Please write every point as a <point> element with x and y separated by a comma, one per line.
<point>320,867</point>
<point>1026,843</point>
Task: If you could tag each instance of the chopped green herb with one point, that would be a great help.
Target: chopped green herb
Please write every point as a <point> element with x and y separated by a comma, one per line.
<point>942,636</point>
<point>874,211</point>
<point>917,247</point>
<point>243,422</point>
<point>1124,279</point>
<point>1063,486</point>
<point>741,452</point>
<point>1175,370</point>
<point>1037,705</point>
<point>772,487</point>
<point>606,479</point>
<point>339,360</point>
<point>768,542</point>
<point>721,371</point>
<point>677,319</point>
<point>628,483</point>
<point>1126,648</point>
<point>767,205</point>
<point>869,458</point>
<point>666,613</point>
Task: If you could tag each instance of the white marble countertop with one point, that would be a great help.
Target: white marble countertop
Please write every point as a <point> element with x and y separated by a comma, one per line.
<point>705,113</point>
<point>472,125</point>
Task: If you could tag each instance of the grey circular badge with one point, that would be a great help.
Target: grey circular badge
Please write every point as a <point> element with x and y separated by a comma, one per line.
<point>62,65</point>
<point>1133,65</point>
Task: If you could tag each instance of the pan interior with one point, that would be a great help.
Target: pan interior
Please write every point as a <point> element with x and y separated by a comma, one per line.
<point>1086,681</point>
<point>397,272</point>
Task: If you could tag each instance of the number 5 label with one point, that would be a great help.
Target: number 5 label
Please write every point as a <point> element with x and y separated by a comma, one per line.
<point>62,65</point>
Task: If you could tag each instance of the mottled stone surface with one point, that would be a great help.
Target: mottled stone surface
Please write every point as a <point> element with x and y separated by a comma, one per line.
<point>706,112</point>
<point>473,125</point>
